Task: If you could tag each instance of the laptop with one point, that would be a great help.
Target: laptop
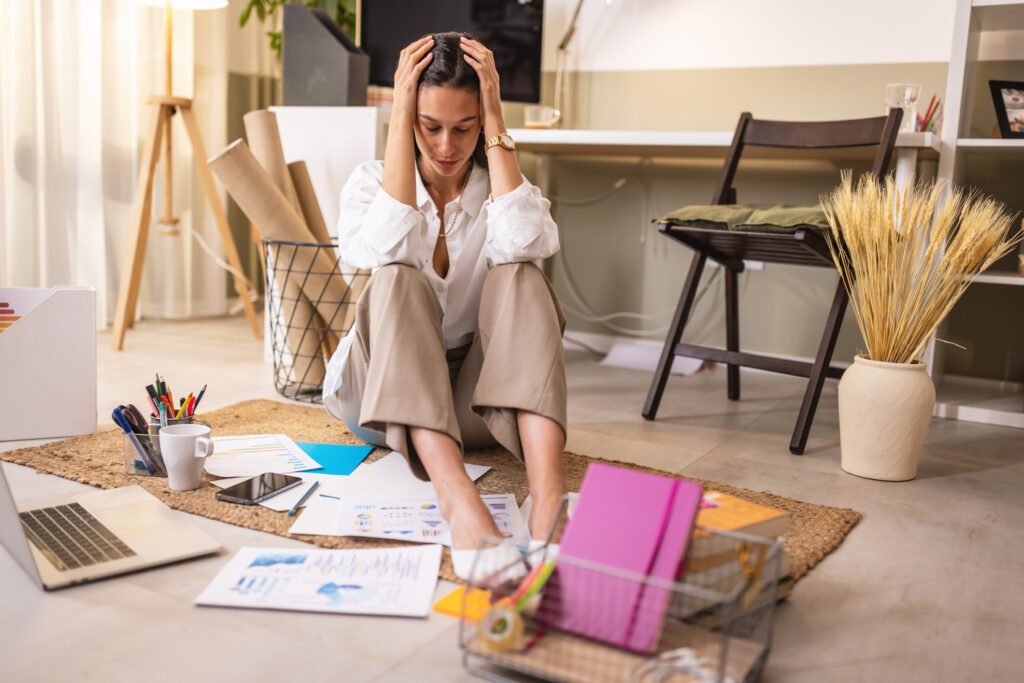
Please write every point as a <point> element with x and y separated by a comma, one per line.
<point>95,535</point>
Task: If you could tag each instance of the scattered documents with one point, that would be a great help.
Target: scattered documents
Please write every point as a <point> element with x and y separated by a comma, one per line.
<point>248,456</point>
<point>419,519</point>
<point>388,477</point>
<point>387,581</point>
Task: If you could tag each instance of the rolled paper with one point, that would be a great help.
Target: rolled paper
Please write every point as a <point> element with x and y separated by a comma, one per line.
<point>255,193</point>
<point>265,143</point>
<point>303,185</point>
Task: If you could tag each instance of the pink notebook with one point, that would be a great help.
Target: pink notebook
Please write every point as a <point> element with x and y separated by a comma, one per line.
<point>624,520</point>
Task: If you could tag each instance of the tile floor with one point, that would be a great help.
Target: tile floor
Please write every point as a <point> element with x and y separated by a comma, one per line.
<point>929,587</point>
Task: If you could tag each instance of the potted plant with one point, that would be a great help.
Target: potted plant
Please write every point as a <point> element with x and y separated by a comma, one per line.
<point>341,11</point>
<point>905,257</point>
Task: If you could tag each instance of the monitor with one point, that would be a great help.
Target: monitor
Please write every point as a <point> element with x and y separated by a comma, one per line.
<point>512,29</point>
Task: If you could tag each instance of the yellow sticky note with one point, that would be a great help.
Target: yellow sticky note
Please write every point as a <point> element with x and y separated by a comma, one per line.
<point>476,604</point>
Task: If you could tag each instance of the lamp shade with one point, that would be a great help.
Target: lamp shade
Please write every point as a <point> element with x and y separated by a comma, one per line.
<point>187,4</point>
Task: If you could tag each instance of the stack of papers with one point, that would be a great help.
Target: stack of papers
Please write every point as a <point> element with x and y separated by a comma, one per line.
<point>388,581</point>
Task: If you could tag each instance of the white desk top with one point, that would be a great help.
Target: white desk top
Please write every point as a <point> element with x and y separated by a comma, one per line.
<point>696,144</point>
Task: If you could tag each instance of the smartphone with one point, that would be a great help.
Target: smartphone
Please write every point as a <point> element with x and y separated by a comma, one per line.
<point>259,488</point>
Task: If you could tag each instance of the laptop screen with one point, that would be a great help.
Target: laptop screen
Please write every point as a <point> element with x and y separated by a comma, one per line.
<point>12,535</point>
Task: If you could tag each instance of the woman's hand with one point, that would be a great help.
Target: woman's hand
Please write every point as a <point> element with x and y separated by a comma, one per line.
<point>482,61</point>
<point>411,63</point>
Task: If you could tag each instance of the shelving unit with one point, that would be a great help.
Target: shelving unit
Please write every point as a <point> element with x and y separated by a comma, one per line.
<point>978,26</point>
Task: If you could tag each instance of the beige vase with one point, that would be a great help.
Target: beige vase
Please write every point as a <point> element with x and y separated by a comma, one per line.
<point>884,412</point>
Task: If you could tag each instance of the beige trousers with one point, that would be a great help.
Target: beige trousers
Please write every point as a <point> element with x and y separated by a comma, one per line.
<point>399,374</point>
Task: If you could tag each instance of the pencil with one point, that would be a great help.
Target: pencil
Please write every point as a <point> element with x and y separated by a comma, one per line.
<point>305,497</point>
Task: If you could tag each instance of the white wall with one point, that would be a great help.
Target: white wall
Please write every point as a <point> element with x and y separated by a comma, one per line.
<point>629,35</point>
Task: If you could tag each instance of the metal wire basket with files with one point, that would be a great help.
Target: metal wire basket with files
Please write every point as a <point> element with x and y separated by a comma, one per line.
<point>311,299</point>
<point>575,621</point>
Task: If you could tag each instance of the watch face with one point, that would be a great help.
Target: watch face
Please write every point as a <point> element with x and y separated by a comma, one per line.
<point>507,141</point>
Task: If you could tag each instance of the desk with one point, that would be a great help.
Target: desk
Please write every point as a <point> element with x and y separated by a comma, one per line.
<point>910,147</point>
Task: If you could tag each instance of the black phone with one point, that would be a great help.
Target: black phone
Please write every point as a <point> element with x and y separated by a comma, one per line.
<point>259,488</point>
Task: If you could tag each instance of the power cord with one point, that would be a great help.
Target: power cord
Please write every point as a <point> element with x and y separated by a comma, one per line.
<point>237,306</point>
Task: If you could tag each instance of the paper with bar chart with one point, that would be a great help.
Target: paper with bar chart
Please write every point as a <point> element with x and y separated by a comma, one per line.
<point>387,581</point>
<point>248,456</point>
<point>419,519</point>
<point>17,302</point>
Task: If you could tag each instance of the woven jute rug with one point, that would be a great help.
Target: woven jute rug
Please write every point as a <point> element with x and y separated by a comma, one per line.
<point>97,459</point>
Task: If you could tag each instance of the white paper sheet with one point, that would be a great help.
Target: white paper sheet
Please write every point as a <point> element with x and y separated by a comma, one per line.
<point>419,520</point>
<point>248,456</point>
<point>389,477</point>
<point>388,581</point>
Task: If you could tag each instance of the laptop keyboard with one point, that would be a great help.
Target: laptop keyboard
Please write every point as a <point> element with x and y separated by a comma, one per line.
<point>72,538</point>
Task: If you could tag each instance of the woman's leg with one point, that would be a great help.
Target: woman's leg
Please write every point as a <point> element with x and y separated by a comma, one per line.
<point>468,518</point>
<point>543,442</point>
<point>521,389</point>
<point>396,376</point>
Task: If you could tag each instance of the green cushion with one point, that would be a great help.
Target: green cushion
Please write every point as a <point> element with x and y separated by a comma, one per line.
<point>713,216</point>
<point>776,218</point>
<point>785,219</point>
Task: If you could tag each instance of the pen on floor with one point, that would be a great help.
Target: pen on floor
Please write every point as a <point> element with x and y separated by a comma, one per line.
<point>305,497</point>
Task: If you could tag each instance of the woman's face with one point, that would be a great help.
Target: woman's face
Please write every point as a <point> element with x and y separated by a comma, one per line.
<point>447,128</point>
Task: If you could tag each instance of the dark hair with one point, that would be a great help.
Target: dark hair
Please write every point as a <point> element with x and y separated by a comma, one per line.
<point>448,69</point>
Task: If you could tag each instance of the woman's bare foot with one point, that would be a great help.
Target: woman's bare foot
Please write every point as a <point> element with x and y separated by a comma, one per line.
<point>470,521</point>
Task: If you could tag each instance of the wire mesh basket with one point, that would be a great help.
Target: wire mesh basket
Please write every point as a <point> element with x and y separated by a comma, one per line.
<point>575,621</point>
<point>310,305</point>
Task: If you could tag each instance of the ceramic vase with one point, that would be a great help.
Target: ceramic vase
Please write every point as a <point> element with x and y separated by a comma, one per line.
<point>884,413</point>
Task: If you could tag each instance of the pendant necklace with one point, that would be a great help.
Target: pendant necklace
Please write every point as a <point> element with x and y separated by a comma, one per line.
<point>458,207</point>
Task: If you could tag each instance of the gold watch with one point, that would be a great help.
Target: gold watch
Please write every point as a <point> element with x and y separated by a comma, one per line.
<point>503,139</point>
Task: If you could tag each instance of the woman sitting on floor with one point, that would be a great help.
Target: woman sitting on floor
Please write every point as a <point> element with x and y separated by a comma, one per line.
<point>457,336</point>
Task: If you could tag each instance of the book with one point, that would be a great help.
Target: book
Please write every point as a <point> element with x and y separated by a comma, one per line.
<point>625,523</point>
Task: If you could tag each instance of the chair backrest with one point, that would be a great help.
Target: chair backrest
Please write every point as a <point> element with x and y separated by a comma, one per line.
<point>878,131</point>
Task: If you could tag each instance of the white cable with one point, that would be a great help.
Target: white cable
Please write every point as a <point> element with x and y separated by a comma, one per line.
<point>253,296</point>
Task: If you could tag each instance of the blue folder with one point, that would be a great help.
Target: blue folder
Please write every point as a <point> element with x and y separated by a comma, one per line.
<point>334,458</point>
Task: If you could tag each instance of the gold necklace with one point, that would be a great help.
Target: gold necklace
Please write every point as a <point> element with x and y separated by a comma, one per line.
<point>458,206</point>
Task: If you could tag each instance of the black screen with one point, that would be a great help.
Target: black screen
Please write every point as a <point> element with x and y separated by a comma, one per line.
<point>258,487</point>
<point>510,28</point>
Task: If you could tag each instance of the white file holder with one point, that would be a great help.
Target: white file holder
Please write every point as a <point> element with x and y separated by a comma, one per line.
<point>47,362</point>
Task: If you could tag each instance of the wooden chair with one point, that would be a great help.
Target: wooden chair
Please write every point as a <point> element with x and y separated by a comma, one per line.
<point>729,248</point>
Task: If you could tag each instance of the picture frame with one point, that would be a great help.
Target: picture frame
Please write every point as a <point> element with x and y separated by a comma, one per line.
<point>1008,99</point>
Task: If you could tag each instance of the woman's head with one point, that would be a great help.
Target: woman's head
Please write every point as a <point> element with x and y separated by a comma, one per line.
<point>448,125</point>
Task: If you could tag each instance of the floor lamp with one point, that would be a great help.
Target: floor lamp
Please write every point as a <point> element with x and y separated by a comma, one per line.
<point>168,106</point>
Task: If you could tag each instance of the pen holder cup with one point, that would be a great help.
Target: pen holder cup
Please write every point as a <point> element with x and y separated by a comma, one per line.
<point>134,462</point>
<point>140,450</point>
<point>154,425</point>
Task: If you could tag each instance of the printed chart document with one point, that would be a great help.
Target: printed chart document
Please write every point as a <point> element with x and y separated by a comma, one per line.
<point>417,520</point>
<point>387,581</point>
<point>248,456</point>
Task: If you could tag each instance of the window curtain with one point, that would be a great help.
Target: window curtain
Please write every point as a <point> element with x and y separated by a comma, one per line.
<point>74,77</point>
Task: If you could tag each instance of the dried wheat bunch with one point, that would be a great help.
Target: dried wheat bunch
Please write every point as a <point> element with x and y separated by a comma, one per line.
<point>907,256</point>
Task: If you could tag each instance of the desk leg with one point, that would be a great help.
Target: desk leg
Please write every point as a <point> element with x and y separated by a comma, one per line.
<point>906,165</point>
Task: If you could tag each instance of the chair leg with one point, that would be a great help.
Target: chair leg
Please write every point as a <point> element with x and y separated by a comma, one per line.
<point>817,378</point>
<point>675,333</point>
<point>732,329</point>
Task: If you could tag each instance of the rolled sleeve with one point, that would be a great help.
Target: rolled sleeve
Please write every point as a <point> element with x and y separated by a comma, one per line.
<point>374,228</point>
<point>520,227</point>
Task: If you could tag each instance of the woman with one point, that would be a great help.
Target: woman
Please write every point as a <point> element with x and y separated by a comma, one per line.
<point>457,337</point>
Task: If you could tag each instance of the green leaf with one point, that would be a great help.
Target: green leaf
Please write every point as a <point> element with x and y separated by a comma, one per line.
<point>245,15</point>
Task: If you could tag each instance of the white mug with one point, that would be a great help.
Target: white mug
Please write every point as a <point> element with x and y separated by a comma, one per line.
<point>184,449</point>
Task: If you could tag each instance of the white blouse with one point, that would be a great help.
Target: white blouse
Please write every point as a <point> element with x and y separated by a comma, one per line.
<point>375,229</point>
